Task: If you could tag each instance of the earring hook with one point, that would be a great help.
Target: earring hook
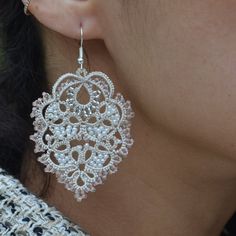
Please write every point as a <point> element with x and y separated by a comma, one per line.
<point>81,50</point>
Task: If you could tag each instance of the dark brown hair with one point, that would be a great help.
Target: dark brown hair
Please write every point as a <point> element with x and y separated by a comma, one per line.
<point>22,80</point>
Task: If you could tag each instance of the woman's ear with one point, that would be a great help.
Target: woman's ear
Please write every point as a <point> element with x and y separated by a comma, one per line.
<point>67,16</point>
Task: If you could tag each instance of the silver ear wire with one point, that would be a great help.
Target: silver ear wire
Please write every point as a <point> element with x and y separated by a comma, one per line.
<point>81,50</point>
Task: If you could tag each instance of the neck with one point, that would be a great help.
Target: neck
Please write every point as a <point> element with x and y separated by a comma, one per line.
<point>167,186</point>
<point>164,187</point>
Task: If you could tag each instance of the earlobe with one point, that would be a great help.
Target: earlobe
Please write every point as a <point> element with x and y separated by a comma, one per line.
<point>66,17</point>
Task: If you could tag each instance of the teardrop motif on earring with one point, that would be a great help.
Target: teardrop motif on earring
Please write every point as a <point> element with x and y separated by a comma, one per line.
<point>82,130</point>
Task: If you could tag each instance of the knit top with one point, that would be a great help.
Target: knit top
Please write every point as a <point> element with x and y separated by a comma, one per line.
<point>23,214</point>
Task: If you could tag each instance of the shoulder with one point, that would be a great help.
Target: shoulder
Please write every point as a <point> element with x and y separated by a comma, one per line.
<point>23,213</point>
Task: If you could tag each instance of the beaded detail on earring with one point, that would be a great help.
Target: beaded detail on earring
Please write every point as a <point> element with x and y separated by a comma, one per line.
<point>82,129</point>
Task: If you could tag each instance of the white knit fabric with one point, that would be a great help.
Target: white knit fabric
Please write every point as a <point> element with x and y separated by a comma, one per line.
<point>23,214</point>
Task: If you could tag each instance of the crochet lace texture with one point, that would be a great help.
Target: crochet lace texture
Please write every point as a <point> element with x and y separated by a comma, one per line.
<point>23,214</point>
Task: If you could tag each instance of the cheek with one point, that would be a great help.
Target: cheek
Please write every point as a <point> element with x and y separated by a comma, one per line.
<point>182,73</point>
<point>196,77</point>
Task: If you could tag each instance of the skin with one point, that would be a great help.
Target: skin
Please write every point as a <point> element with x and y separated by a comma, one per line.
<point>175,61</point>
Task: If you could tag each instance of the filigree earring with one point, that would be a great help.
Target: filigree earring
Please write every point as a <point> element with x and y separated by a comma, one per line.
<point>82,131</point>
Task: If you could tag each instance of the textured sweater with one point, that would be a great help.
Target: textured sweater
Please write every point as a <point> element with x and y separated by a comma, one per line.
<point>23,214</point>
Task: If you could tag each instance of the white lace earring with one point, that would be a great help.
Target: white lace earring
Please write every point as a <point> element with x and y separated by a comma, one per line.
<point>82,129</point>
